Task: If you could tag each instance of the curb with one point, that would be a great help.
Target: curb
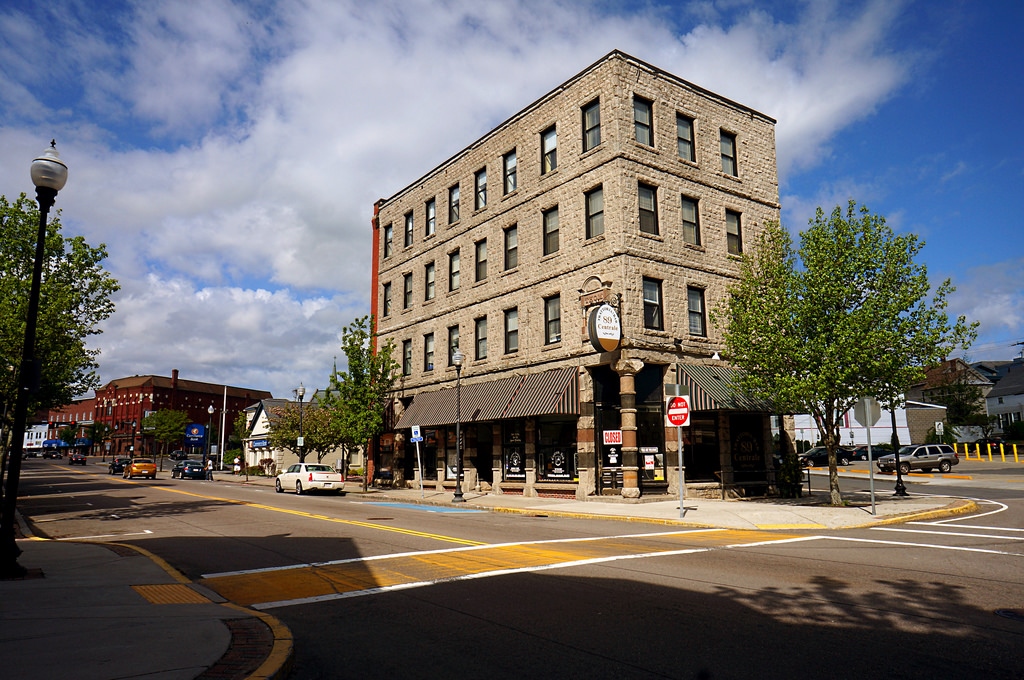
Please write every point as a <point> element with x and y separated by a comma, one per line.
<point>959,507</point>
<point>276,664</point>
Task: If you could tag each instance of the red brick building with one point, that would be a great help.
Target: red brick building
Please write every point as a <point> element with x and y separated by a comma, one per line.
<point>121,405</point>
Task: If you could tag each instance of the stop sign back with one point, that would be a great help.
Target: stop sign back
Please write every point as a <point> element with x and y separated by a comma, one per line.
<point>677,411</point>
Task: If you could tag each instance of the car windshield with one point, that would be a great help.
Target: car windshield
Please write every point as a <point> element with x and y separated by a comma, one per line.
<point>319,468</point>
<point>143,461</point>
<point>907,450</point>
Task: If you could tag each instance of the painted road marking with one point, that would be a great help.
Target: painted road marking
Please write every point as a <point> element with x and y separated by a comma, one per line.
<point>267,589</point>
<point>325,518</point>
<point>934,532</point>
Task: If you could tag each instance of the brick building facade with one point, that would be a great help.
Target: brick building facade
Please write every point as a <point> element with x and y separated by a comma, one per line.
<point>121,405</point>
<point>625,188</point>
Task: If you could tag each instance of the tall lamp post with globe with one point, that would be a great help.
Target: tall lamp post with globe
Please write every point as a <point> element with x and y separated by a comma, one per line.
<point>300,392</point>
<point>457,359</point>
<point>49,174</point>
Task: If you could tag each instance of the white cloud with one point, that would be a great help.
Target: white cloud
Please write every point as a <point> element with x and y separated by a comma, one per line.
<point>230,155</point>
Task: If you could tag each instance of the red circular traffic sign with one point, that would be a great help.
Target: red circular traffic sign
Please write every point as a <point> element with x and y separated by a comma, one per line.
<point>678,412</point>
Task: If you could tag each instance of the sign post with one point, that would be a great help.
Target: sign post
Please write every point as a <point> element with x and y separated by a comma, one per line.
<point>867,412</point>
<point>677,413</point>
<point>417,438</point>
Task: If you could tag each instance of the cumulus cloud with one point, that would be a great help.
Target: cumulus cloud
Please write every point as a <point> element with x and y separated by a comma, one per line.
<point>230,153</point>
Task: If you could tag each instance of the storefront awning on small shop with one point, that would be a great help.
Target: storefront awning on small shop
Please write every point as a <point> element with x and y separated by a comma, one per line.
<point>83,441</point>
<point>554,392</point>
<point>551,392</point>
<point>54,443</point>
<point>714,388</point>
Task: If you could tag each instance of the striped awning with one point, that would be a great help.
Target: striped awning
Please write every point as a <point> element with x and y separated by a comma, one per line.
<point>714,388</point>
<point>554,392</point>
<point>548,393</point>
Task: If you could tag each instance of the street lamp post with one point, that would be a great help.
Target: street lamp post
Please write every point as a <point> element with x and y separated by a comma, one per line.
<point>300,392</point>
<point>457,359</point>
<point>209,431</point>
<point>49,174</point>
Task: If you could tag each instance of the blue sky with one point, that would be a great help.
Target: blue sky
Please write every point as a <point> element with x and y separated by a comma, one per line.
<point>229,153</point>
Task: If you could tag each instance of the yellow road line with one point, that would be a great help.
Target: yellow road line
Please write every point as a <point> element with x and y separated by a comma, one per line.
<point>325,518</point>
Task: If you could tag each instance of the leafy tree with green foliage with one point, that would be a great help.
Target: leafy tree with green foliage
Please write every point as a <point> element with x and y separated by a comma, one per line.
<point>846,315</point>
<point>320,431</point>
<point>74,299</point>
<point>358,396</point>
<point>961,395</point>
<point>165,426</point>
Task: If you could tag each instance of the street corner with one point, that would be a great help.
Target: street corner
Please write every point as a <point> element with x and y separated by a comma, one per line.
<point>956,508</point>
<point>261,647</point>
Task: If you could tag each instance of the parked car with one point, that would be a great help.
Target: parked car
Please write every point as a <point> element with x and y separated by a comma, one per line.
<point>140,467</point>
<point>117,464</point>
<point>76,458</point>
<point>305,477</point>
<point>877,451</point>
<point>178,455</point>
<point>925,457</point>
<point>52,453</point>
<point>819,456</point>
<point>188,469</point>
<point>988,445</point>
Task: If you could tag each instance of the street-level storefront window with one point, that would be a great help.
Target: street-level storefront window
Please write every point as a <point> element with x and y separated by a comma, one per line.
<point>428,456</point>
<point>452,455</point>
<point>513,451</point>
<point>556,449</point>
<point>650,436</point>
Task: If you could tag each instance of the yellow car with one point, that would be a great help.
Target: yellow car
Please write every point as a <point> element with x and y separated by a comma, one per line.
<point>142,467</point>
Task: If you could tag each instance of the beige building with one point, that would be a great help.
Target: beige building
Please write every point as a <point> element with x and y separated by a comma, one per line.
<point>625,197</point>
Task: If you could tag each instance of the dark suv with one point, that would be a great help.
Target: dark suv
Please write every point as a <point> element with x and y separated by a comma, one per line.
<point>924,457</point>
<point>117,464</point>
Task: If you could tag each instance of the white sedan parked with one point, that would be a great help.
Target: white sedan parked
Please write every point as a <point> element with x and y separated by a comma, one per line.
<point>305,477</point>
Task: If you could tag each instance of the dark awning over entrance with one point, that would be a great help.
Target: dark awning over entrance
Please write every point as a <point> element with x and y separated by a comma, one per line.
<point>551,392</point>
<point>713,388</point>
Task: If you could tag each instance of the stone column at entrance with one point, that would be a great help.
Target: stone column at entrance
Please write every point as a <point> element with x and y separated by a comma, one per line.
<point>627,370</point>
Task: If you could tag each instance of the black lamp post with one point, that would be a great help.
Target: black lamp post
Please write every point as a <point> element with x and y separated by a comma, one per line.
<point>457,359</point>
<point>49,174</point>
<point>300,392</point>
<point>209,433</point>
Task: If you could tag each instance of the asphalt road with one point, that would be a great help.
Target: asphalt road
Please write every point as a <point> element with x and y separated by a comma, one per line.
<point>568,598</point>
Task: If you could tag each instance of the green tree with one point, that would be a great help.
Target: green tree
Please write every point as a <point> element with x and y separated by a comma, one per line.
<point>320,432</point>
<point>357,397</point>
<point>847,315</point>
<point>959,391</point>
<point>75,298</point>
<point>165,426</point>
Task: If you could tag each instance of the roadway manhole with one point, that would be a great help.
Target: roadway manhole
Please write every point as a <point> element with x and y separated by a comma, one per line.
<point>1015,614</point>
<point>380,519</point>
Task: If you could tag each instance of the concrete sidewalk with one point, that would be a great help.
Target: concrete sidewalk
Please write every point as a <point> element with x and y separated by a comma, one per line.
<point>98,611</point>
<point>93,611</point>
<point>812,511</point>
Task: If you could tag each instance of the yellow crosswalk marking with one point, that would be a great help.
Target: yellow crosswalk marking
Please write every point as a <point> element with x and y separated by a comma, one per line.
<point>344,578</point>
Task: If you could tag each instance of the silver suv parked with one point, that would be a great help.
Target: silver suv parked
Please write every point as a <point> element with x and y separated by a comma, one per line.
<point>925,457</point>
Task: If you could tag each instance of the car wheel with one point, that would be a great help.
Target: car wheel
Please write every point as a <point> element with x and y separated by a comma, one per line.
<point>298,488</point>
<point>277,486</point>
<point>905,468</point>
<point>944,466</point>
<point>844,461</point>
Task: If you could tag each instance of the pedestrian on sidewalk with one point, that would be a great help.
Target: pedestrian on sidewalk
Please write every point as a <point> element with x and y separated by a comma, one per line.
<point>238,465</point>
<point>209,469</point>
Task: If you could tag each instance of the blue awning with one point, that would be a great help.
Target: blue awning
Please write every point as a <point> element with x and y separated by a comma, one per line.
<point>83,441</point>
<point>53,443</point>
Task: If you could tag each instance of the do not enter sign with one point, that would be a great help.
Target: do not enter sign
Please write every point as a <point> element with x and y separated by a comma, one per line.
<point>677,411</point>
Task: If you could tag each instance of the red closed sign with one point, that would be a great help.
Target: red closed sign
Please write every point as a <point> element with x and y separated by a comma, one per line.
<point>677,411</point>
<point>613,437</point>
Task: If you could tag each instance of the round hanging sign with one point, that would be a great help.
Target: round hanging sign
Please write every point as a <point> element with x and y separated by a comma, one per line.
<point>604,328</point>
